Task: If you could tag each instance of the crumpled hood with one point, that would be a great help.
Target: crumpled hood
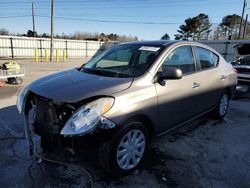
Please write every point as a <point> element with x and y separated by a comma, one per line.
<point>73,86</point>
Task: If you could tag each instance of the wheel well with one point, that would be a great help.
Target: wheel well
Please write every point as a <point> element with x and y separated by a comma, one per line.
<point>228,90</point>
<point>147,122</point>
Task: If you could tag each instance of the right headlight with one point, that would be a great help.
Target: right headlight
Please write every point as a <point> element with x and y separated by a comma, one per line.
<point>21,99</point>
<point>86,118</point>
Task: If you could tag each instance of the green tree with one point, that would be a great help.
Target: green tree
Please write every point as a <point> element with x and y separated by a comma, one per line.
<point>31,34</point>
<point>45,35</point>
<point>165,37</point>
<point>113,36</point>
<point>247,35</point>
<point>203,26</point>
<point>195,28</point>
<point>179,37</point>
<point>185,31</point>
<point>229,26</point>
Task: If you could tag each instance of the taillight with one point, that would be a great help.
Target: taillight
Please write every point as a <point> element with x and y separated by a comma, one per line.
<point>234,70</point>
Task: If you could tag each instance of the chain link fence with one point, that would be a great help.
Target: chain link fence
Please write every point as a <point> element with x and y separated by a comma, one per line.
<point>13,47</point>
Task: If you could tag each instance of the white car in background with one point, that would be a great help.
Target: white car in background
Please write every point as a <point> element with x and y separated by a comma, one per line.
<point>242,62</point>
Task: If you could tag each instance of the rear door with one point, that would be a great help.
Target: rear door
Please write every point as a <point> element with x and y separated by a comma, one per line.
<point>178,99</point>
<point>211,77</point>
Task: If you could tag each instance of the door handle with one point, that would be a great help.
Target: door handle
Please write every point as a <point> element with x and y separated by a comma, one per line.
<point>222,77</point>
<point>195,85</point>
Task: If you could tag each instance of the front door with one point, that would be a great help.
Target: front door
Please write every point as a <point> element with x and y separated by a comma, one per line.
<point>177,99</point>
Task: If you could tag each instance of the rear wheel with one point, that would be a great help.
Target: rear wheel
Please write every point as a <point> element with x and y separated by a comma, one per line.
<point>124,153</point>
<point>222,106</point>
<point>11,80</point>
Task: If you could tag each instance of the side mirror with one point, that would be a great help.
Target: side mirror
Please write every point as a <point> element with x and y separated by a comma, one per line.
<point>170,73</point>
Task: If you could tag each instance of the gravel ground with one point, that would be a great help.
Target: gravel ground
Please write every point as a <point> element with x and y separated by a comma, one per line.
<point>203,153</point>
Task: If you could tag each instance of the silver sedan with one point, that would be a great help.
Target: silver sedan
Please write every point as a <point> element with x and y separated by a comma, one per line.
<point>126,96</point>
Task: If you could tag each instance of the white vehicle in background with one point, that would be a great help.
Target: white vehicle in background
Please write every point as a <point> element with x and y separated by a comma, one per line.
<point>242,62</point>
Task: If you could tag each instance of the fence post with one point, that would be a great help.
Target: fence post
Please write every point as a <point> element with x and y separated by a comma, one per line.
<point>46,55</point>
<point>66,48</point>
<point>226,49</point>
<point>86,49</point>
<point>64,55</point>
<point>57,56</point>
<point>11,47</point>
<point>41,51</point>
<point>36,55</point>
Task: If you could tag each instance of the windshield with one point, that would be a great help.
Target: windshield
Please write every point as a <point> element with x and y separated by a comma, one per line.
<point>123,61</point>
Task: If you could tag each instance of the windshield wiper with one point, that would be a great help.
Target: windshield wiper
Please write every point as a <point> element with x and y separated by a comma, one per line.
<point>105,72</point>
<point>101,72</point>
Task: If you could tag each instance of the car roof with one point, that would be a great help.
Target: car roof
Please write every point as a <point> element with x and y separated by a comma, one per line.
<point>160,42</point>
<point>167,43</point>
<point>150,43</point>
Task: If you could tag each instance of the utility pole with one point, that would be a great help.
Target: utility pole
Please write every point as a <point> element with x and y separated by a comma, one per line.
<point>52,30</point>
<point>33,19</point>
<point>242,16</point>
<point>245,27</point>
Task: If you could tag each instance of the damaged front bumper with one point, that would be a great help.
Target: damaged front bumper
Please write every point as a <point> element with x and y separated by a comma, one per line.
<point>59,121</point>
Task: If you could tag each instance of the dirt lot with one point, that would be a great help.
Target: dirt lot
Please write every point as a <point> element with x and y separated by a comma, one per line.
<point>204,153</point>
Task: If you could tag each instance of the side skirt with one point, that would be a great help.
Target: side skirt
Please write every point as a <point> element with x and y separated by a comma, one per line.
<point>186,122</point>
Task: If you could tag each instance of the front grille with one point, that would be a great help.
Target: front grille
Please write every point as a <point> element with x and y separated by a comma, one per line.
<point>46,120</point>
<point>50,117</point>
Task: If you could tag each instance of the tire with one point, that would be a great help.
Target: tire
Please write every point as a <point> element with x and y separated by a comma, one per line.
<point>221,109</point>
<point>113,154</point>
<point>11,80</point>
<point>18,80</point>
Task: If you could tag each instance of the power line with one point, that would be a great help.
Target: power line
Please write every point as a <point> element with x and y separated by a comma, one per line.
<point>110,21</point>
<point>113,21</point>
<point>93,2</point>
<point>15,16</point>
<point>102,4</point>
<point>104,1</point>
<point>101,20</point>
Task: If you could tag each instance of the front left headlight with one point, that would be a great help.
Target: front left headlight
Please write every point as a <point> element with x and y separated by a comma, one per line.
<point>86,118</point>
<point>21,99</point>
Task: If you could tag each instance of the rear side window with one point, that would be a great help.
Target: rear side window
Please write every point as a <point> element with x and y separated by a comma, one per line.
<point>181,58</point>
<point>206,58</point>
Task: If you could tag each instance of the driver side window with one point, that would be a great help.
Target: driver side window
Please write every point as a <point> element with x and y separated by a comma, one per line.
<point>181,58</point>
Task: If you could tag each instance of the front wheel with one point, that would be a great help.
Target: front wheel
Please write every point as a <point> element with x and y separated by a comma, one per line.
<point>124,153</point>
<point>222,106</point>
